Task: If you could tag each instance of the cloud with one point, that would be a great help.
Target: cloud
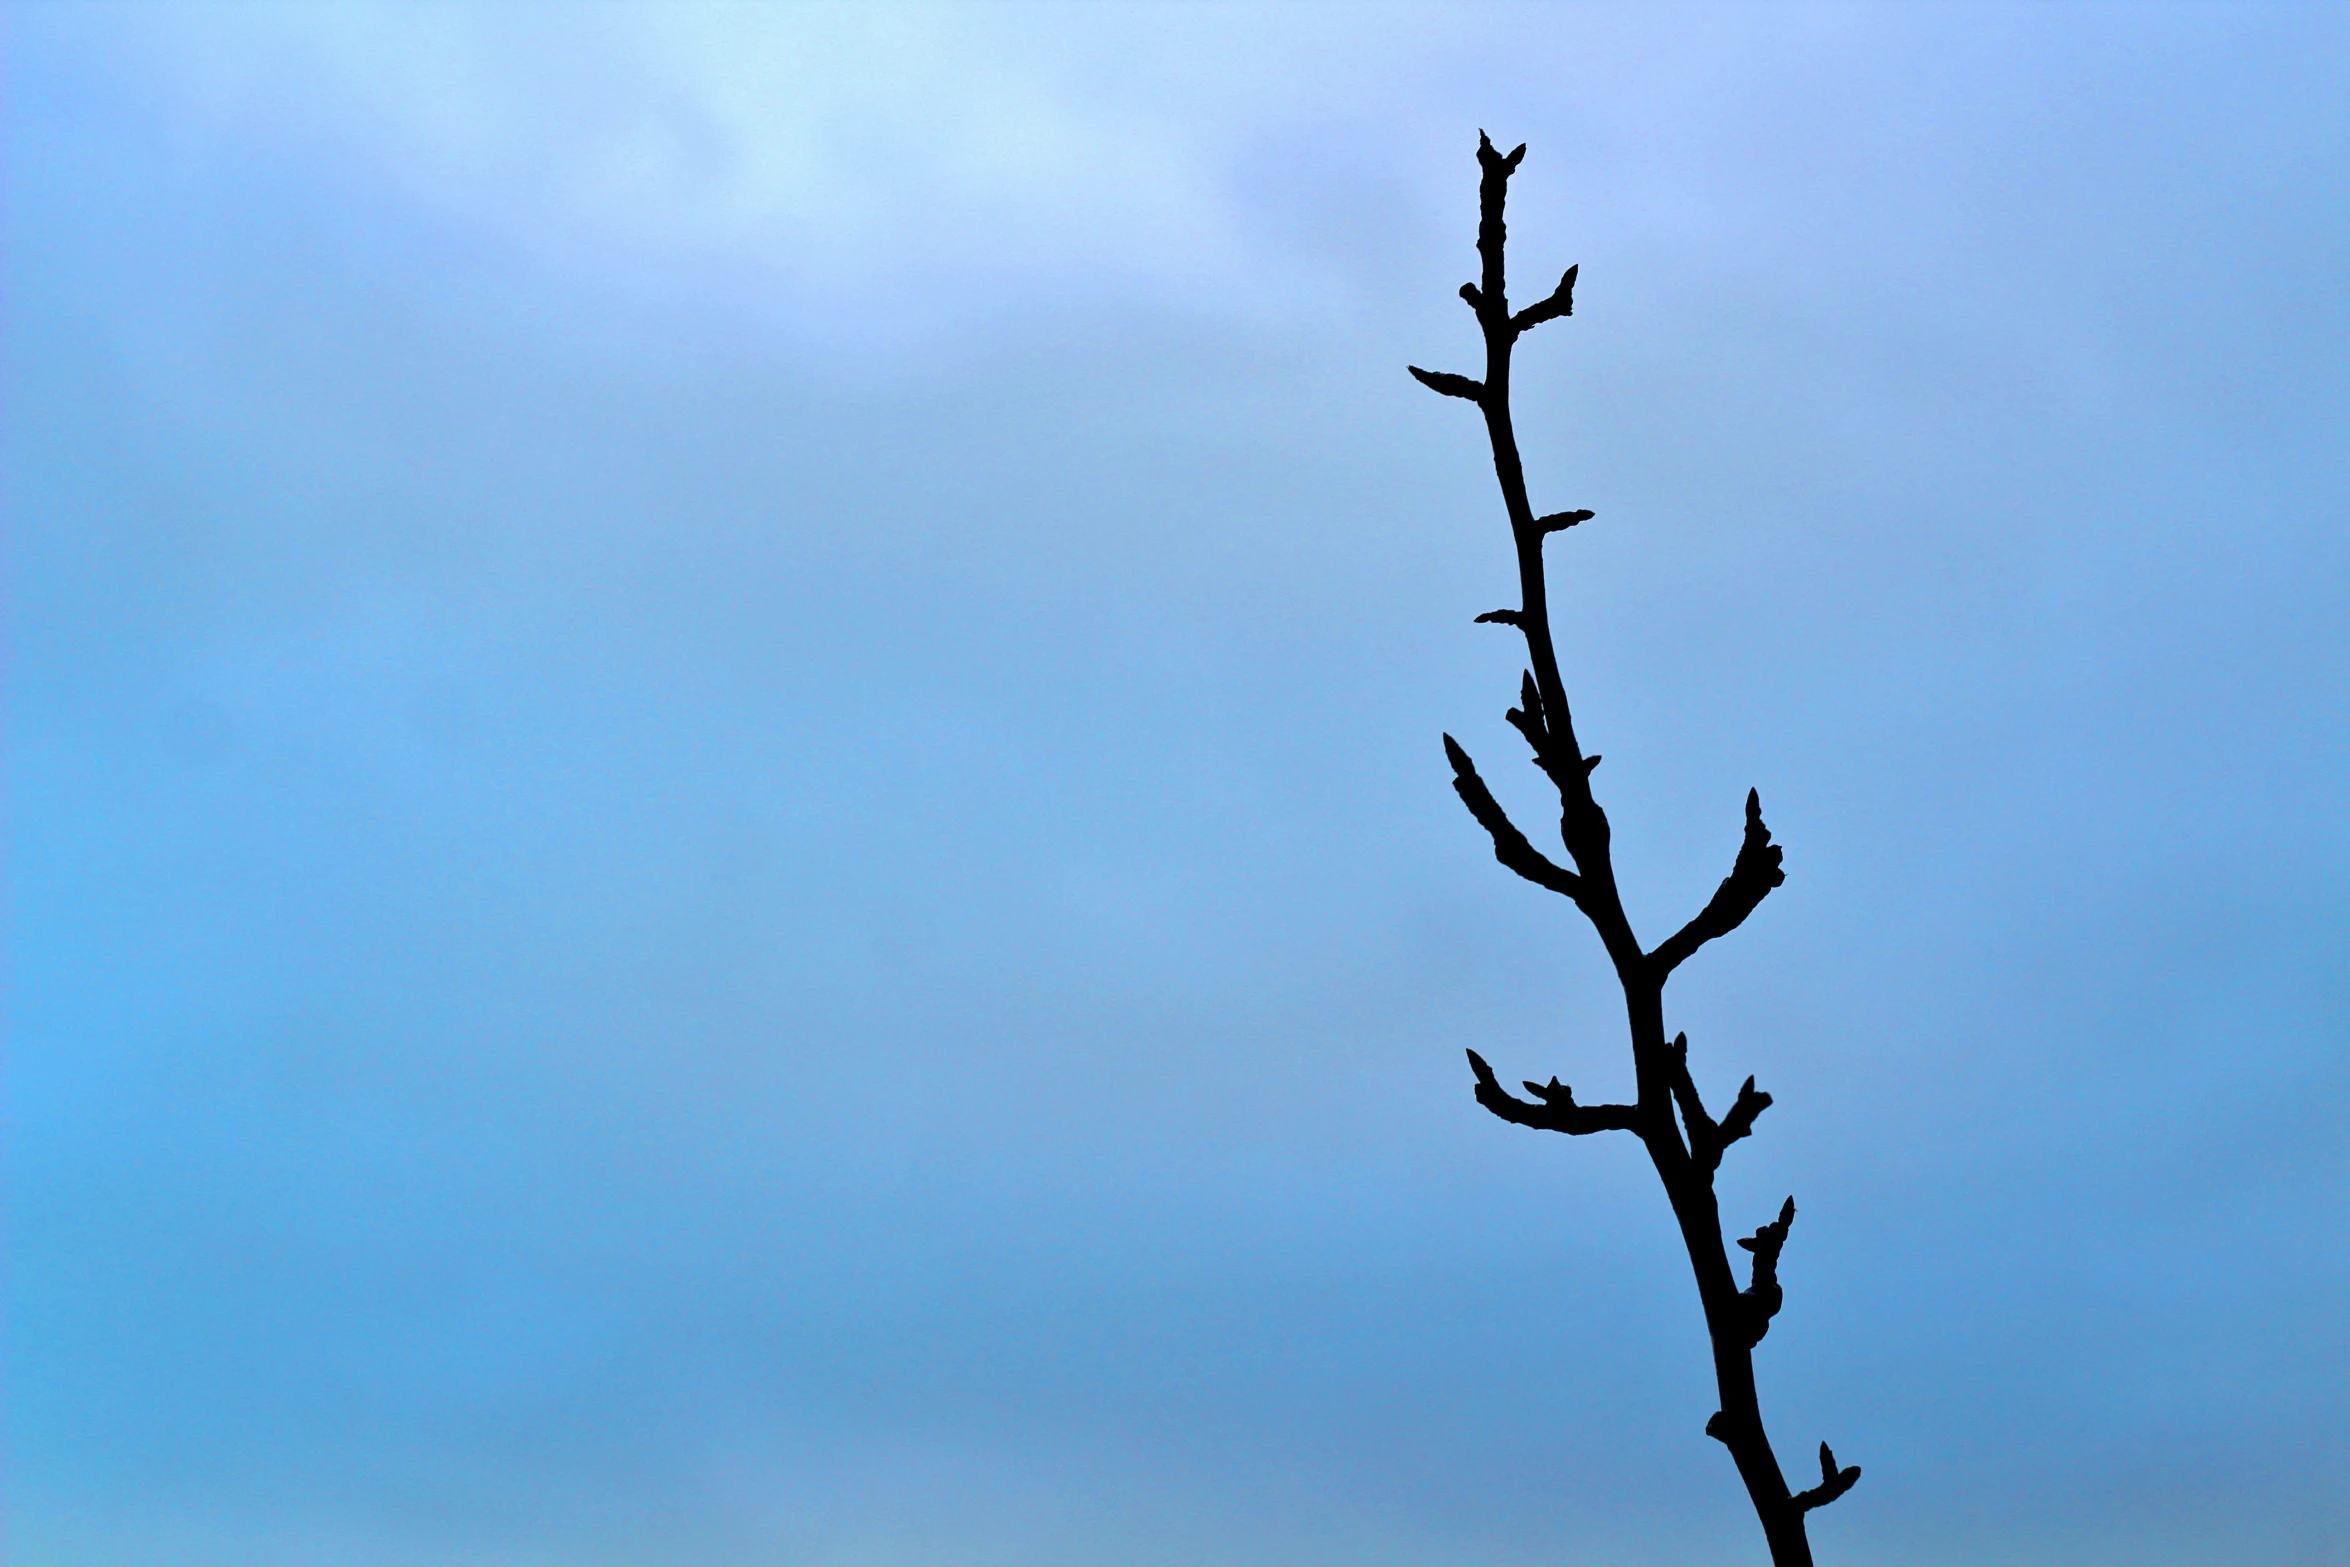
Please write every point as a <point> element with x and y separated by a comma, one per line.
<point>871,173</point>
<point>902,164</point>
<point>592,901</point>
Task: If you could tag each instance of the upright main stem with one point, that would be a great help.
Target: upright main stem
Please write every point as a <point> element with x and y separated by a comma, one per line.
<point>1583,827</point>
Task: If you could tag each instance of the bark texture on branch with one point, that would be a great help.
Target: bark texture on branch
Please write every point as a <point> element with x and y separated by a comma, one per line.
<point>1684,1141</point>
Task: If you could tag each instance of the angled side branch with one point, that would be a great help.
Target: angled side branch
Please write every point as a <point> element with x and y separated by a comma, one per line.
<point>1752,876</point>
<point>1834,1482</point>
<point>1449,384</point>
<point>1509,845</point>
<point>1560,303</point>
<point>1555,1111</point>
<point>1708,1137</point>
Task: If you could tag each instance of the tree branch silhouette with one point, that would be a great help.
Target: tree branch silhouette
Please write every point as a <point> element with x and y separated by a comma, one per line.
<point>1557,1111</point>
<point>1686,1150</point>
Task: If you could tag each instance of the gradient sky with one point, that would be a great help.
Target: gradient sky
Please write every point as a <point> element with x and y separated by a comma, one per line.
<point>728,844</point>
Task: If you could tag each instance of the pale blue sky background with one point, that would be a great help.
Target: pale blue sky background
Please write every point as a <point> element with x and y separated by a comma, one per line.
<point>728,844</point>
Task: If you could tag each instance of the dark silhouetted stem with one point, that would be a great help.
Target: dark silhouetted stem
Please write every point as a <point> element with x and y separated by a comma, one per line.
<point>1687,1151</point>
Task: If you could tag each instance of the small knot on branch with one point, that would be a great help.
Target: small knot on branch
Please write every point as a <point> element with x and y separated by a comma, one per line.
<point>1834,1482</point>
<point>1762,1297</point>
<point>1767,1242</point>
<point>1560,521</point>
<point>1500,617</point>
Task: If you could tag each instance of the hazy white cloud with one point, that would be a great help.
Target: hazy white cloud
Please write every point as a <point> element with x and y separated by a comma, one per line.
<point>895,161</point>
<point>895,167</point>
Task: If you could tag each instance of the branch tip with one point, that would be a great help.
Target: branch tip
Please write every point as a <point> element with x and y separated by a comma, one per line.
<point>1509,845</point>
<point>1527,720</point>
<point>1763,1297</point>
<point>1834,1482</point>
<point>1556,1110</point>
<point>1560,303</point>
<point>1750,1103</point>
<point>1493,162</point>
<point>1753,874</point>
<point>1449,384</point>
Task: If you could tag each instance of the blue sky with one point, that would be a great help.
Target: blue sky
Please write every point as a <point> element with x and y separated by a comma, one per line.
<point>727,835</point>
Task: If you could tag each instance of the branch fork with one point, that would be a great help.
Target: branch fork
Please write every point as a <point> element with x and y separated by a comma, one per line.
<point>1708,1137</point>
<point>1686,1157</point>
<point>1834,1482</point>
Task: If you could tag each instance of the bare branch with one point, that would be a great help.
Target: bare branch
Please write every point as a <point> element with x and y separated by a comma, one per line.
<point>1737,1319</point>
<point>1704,1133</point>
<point>1527,719</point>
<point>1708,1137</point>
<point>1751,1102</point>
<point>1498,163</point>
<point>1752,876</point>
<point>1449,384</point>
<point>1509,845</point>
<point>1560,303</point>
<point>1834,1482</point>
<point>1763,1296</point>
<point>1557,1111</point>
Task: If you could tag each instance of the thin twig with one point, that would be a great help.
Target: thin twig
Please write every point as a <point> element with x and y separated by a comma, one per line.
<point>1685,1155</point>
